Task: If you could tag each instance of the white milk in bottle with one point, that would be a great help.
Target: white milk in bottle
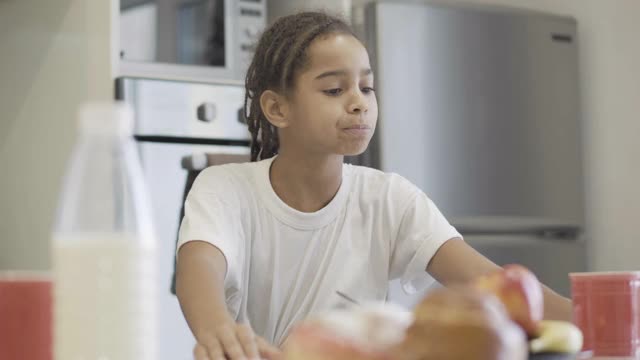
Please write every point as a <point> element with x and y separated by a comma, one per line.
<point>103,246</point>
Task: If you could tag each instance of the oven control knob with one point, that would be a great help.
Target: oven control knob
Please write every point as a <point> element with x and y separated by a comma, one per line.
<point>206,112</point>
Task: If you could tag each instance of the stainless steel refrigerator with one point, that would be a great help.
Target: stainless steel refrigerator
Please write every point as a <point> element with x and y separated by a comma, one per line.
<point>479,107</point>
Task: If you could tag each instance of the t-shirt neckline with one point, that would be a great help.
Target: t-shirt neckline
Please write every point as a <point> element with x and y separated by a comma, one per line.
<point>295,218</point>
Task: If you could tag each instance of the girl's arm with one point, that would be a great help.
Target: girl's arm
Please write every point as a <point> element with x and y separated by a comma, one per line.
<point>200,275</point>
<point>456,262</point>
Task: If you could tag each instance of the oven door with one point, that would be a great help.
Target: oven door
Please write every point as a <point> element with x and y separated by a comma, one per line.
<point>172,121</point>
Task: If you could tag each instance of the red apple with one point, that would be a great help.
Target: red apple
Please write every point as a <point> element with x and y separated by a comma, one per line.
<point>520,292</point>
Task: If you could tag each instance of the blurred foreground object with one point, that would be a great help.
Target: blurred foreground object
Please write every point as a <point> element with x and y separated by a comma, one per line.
<point>520,292</point>
<point>606,307</point>
<point>522,296</point>
<point>25,316</point>
<point>103,246</point>
<point>449,324</point>
<point>365,332</point>
<point>497,317</point>
<point>460,324</point>
<point>557,336</point>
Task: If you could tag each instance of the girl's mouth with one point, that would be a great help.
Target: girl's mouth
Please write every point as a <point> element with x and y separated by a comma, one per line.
<point>358,130</point>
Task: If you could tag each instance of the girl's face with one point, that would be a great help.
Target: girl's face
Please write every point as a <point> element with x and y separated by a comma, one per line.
<point>333,108</point>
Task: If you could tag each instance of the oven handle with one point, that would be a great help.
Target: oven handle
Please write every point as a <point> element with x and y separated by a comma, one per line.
<point>191,140</point>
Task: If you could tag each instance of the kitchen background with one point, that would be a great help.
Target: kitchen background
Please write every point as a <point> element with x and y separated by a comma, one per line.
<point>57,54</point>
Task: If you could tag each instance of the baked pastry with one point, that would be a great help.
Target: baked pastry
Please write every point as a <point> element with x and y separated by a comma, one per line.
<point>462,324</point>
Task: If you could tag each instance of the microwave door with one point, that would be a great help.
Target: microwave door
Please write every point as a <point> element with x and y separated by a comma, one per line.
<point>189,40</point>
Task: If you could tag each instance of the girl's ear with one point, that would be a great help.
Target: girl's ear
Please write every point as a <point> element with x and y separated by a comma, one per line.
<point>275,108</point>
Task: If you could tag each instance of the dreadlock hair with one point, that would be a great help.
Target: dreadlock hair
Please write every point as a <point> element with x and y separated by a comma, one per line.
<point>280,54</point>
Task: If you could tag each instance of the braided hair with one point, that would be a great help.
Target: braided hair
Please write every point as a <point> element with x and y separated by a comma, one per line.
<point>279,55</point>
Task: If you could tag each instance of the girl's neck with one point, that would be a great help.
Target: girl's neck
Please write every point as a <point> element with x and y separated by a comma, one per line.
<point>306,183</point>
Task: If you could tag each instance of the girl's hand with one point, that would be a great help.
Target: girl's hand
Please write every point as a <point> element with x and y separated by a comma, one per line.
<point>234,342</point>
<point>268,351</point>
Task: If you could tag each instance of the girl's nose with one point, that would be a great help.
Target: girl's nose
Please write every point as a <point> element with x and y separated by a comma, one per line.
<point>358,104</point>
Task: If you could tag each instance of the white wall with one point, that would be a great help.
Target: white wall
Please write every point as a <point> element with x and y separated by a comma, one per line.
<point>54,55</point>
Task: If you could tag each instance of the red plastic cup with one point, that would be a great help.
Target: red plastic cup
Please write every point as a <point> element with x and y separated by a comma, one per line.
<point>25,316</point>
<point>606,307</point>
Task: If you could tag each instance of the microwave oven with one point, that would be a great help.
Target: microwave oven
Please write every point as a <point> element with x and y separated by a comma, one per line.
<point>188,40</point>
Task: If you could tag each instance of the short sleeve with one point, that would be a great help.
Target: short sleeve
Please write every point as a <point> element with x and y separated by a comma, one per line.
<point>422,230</point>
<point>211,214</point>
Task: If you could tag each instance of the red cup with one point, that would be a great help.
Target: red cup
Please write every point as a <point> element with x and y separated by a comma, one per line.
<point>25,316</point>
<point>606,307</point>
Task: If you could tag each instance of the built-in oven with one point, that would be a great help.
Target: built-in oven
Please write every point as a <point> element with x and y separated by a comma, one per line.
<point>176,121</point>
<point>199,40</point>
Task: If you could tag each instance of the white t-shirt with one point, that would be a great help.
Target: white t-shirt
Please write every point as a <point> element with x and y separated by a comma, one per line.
<point>283,264</point>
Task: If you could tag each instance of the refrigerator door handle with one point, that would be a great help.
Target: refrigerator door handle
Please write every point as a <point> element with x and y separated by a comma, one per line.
<point>539,227</point>
<point>560,233</point>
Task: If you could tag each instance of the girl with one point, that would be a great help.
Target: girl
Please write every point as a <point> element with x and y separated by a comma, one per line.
<point>275,240</point>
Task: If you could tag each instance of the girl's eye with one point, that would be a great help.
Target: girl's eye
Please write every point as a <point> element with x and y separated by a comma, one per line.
<point>333,92</point>
<point>367,90</point>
